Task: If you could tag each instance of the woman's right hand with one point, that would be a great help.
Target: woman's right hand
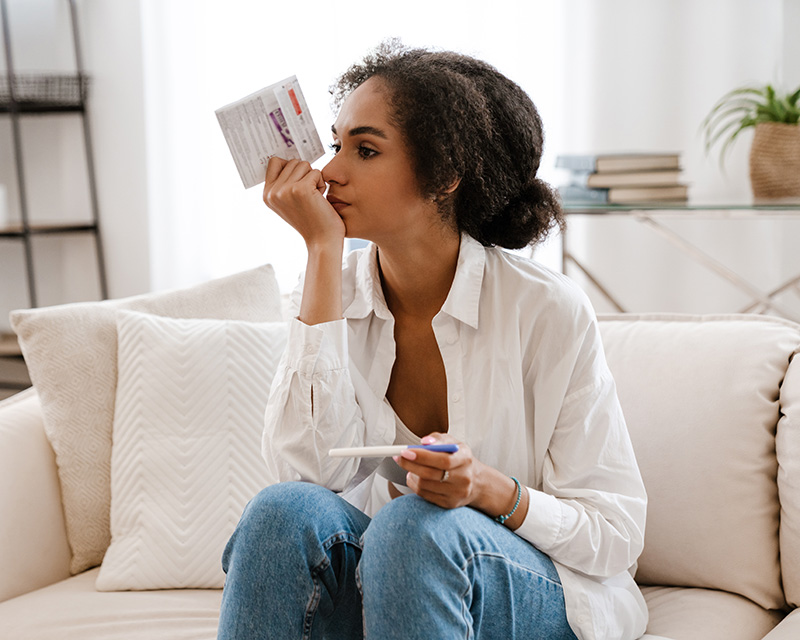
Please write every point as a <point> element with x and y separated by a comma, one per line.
<point>296,192</point>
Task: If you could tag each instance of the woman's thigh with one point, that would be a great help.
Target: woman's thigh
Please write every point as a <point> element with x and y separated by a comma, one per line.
<point>456,573</point>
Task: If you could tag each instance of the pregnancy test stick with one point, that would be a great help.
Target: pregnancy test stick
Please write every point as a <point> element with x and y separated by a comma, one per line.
<point>382,452</point>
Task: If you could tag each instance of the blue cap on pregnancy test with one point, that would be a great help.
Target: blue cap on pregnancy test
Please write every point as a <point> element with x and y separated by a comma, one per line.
<point>445,448</point>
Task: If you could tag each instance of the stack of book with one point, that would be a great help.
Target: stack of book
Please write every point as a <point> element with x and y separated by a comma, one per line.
<point>622,178</point>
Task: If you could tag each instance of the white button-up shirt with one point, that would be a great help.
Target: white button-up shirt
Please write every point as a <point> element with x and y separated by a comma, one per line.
<point>528,390</point>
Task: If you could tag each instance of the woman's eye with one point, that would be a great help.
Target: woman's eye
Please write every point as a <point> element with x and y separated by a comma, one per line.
<point>366,152</point>
<point>335,147</point>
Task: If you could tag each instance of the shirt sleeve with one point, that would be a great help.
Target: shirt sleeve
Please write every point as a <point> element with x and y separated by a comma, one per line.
<point>312,408</point>
<point>590,512</point>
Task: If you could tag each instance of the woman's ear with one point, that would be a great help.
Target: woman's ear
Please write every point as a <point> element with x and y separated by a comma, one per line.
<point>453,186</point>
<point>443,195</point>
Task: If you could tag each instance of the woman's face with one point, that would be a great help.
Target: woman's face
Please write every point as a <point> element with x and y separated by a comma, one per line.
<point>371,181</point>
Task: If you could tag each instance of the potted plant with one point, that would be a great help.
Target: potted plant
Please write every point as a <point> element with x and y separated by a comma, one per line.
<point>775,152</point>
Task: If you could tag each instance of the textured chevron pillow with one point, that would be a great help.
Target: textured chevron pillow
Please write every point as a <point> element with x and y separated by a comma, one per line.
<point>71,353</point>
<point>187,445</point>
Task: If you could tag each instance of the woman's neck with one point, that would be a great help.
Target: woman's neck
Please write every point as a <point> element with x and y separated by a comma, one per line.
<point>417,275</point>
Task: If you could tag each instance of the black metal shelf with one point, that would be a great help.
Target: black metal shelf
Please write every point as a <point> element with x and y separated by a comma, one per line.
<point>17,231</point>
<point>39,108</point>
<point>38,93</point>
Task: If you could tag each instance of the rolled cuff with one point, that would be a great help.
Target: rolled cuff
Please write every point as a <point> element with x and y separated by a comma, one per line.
<point>317,348</point>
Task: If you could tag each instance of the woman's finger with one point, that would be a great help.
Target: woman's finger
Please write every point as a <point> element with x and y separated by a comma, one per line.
<point>274,167</point>
<point>296,170</point>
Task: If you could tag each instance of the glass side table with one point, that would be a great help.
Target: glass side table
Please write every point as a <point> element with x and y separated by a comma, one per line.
<point>653,215</point>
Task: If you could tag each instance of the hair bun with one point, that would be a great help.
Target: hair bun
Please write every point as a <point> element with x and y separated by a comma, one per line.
<point>526,219</point>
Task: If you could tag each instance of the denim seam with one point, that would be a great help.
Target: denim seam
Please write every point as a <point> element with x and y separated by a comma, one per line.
<point>511,562</point>
<point>500,556</point>
<point>342,536</point>
<point>313,601</point>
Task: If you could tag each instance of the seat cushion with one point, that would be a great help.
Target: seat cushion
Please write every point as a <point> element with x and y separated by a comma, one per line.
<point>701,399</point>
<point>704,614</point>
<point>74,610</point>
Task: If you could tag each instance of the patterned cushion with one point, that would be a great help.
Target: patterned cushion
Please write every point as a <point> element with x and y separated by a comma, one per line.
<point>71,352</point>
<point>187,440</point>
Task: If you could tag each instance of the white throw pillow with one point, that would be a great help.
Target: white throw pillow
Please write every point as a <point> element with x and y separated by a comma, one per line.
<point>71,353</point>
<point>186,456</point>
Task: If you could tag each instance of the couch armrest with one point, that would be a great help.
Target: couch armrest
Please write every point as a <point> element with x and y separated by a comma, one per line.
<point>34,551</point>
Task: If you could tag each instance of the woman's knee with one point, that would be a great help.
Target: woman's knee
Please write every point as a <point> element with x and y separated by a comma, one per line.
<point>410,525</point>
<point>282,505</point>
<point>279,515</point>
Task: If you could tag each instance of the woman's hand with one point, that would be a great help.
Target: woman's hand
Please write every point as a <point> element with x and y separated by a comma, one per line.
<point>296,192</point>
<point>426,469</point>
<point>468,481</point>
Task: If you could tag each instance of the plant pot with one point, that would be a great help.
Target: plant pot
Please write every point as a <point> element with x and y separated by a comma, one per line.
<point>775,161</point>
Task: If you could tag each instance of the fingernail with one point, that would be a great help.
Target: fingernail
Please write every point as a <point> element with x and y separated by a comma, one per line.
<point>395,458</point>
<point>428,440</point>
<point>409,454</point>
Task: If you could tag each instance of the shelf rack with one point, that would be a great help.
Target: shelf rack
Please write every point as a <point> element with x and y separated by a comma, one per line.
<point>23,95</point>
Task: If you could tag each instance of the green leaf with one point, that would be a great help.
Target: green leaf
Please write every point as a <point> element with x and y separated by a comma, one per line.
<point>733,124</point>
<point>726,147</point>
<point>739,108</point>
<point>772,111</point>
<point>745,107</point>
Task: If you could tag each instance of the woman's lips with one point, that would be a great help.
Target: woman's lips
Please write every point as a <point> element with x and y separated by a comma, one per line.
<point>337,204</point>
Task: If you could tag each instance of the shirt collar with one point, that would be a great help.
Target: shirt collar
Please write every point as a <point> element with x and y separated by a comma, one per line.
<point>462,301</point>
<point>368,294</point>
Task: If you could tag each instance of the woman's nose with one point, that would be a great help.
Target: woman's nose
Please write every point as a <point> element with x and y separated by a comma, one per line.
<point>333,171</point>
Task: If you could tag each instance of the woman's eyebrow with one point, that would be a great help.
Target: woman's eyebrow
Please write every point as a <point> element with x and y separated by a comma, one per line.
<point>379,133</point>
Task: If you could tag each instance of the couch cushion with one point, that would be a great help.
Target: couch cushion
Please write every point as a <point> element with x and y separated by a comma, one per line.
<point>186,457</point>
<point>695,614</point>
<point>788,448</point>
<point>788,629</point>
<point>700,395</point>
<point>74,610</point>
<point>71,352</point>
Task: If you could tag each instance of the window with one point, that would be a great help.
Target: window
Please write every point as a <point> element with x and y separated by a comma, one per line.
<point>202,55</point>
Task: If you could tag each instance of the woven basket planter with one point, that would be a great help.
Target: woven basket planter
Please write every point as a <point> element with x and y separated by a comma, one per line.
<point>775,161</point>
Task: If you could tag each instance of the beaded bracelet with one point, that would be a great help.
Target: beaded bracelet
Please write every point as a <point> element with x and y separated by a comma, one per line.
<point>502,519</point>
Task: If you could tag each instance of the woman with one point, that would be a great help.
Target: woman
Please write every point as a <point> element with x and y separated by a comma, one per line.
<point>433,334</point>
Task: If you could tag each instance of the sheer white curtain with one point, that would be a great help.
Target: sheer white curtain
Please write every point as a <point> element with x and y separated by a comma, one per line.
<point>202,54</point>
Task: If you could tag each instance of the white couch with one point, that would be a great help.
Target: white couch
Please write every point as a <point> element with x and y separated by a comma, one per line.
<point>713,407</point>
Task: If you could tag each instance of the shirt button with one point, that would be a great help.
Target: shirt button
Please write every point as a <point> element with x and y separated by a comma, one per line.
<point>452,340</point>
<point>456,397</point>
<point>310,349</point>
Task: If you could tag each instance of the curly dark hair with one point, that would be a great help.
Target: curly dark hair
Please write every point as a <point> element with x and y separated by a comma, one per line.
<point>464,122</point>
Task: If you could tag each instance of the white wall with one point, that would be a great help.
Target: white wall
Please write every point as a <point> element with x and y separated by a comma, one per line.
<point>202,55</point>
<point>637,75</point>
<point>650,74</point>
<point>113,34</point>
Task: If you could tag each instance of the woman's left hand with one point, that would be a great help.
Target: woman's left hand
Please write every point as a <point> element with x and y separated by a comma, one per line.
<point>448,480</point>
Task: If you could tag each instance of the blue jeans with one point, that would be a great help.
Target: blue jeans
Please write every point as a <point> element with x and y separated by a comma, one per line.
<point>304,563</point>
